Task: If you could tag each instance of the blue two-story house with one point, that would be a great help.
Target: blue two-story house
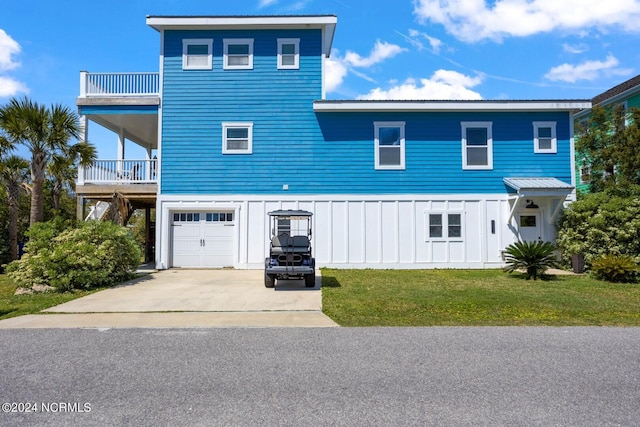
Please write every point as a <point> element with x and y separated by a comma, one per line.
<point>236,124</point>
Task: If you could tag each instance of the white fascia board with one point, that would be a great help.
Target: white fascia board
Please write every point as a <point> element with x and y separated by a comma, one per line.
<point>327,23</point>
<point>337,106</point>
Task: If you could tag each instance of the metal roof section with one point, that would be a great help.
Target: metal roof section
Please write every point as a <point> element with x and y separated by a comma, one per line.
<point>538,187</point>
<point>326,23</point>
<point>538,184</point>
<point>451,105</point>
<point>290,213</point>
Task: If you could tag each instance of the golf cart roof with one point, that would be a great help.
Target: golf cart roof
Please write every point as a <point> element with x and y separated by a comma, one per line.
<point>290,213</point>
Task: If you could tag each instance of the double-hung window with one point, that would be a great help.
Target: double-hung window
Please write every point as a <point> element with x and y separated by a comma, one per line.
<point>544,137</point>
<point>389,145</point>
<point>197,54</point>
<point>477,145</point>
<point>238,54</point>
<point>237,138</point>
<point>442,226</point>
<point>288,54</point>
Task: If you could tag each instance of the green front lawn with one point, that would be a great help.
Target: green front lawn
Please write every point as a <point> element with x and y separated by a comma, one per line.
<point>17,305</point>
<point>474,297</point>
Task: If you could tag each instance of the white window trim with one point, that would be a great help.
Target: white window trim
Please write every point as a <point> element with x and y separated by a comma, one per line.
<point>377,126</point>
<point>445,226</point>
<point>227,125</point>
<point>488,126</point>
<point>226,43</point>
<point>185,45</point>
<point>554,140</point>
<point>296,43</point>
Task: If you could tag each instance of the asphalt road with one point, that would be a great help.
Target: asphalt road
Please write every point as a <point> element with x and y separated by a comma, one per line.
<point>334,376</point>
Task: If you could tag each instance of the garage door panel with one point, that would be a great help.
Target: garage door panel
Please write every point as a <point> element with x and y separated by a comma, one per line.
<point>207,242</point>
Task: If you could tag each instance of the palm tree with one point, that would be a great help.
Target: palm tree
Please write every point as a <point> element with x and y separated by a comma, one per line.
<point>44,132</point>
<point>13,173</point>
<point>63,168</point>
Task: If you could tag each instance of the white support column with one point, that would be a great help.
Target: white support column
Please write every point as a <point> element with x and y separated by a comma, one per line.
<point>83,84</point>
<point>120,151</point>
<point>84,135</point>
<point>148,165</point>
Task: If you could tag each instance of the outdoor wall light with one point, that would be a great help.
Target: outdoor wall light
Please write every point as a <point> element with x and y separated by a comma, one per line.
<point>531,205</point>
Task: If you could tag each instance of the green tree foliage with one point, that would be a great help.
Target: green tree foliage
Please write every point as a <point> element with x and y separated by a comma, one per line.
<point>600,224</point>
<point>534,258</point>
<point>609,143</point>
<point>45,132</point>
<point>86,255</point>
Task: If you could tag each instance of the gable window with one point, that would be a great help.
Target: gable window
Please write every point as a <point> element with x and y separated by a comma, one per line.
<point>196,54</point>
<point>237,138</point>
<point>238,54</point>
<point>477,145</point>
<point>544,137</point>
<point>288,54</point>
<point>389,145</point>
<point>442,226</point>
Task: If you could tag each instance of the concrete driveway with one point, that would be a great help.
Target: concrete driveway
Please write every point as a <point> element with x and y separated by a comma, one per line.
<point>189,298</point>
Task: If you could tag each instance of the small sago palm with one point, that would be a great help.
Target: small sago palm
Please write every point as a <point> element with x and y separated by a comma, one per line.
<point>534,258</point>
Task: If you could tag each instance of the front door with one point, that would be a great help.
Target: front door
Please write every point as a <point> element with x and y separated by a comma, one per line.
<point>530,228</point>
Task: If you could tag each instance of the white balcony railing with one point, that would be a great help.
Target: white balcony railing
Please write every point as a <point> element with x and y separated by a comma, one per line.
<point>119,84</point>
<point>119,172</point>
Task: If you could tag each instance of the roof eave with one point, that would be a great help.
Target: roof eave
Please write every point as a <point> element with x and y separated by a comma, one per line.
<point>326,23</point>
<point>409,106</point>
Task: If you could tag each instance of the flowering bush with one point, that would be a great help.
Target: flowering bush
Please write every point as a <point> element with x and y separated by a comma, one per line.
<point>91,254</point>
<point>600,224</point>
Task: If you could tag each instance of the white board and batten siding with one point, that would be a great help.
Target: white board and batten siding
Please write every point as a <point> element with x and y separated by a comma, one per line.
<point>348,231</point>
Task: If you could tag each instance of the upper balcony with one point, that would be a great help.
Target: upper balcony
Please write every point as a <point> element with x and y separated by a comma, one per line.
<point>125,103</point>
<point>119,85</point>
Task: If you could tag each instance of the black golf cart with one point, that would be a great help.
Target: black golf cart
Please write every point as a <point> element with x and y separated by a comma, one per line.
<point>290,254</point>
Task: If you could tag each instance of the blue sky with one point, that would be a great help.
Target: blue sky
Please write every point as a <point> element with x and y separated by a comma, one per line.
<point>383,49</point>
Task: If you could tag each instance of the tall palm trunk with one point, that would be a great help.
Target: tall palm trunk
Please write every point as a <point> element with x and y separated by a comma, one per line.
<point>38,166</point>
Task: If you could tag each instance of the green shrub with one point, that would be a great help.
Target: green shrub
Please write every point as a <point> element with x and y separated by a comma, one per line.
<point>533,257</point>
<point>91,254</point>
<point>615,268</point>
<point>600,224</point>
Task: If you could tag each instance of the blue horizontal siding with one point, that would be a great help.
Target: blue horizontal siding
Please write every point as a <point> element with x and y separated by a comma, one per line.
<point>324,153</point>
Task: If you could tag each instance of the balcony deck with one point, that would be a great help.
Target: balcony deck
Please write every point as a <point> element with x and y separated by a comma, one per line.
<point>135,179</point>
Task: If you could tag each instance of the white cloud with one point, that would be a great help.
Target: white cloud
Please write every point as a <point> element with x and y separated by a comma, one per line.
<point>380,52</point>
<point>8,48</point>
<point>265,3</point>
<point>10,87</point>
<point>337,68</point>
<point>442,85</point>
<point>588,70</point>
<point>415,36</point>
<point>335,72</point>
<point>575,49</point>
<point>475,20</point>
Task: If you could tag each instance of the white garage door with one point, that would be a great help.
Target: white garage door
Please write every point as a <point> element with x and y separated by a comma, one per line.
<point>202,239</point>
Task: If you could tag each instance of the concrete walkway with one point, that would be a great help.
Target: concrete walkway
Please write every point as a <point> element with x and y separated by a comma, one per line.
<point>188,298</point>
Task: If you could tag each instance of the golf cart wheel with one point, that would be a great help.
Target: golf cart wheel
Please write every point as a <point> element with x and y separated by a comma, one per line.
<point>269,280</point>
<point>310,280</point>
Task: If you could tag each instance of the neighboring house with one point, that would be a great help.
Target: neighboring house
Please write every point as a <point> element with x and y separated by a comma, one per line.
<point>238,119</point>
<point>627,95</point>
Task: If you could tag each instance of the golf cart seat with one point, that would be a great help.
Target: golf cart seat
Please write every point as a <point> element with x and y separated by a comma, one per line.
<point>286,244</point>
